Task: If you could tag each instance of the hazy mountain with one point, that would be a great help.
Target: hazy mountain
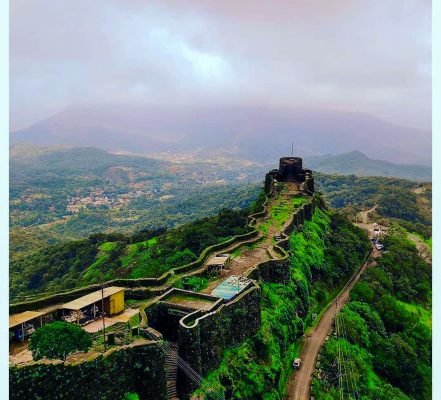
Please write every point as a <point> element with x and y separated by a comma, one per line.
<point>357,163</point>
<point>256,133</point>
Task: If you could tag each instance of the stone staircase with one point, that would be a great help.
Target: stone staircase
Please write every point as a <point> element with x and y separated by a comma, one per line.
<point>171,371</point>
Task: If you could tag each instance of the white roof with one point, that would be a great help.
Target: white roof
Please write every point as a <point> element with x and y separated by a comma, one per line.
<point>17,319</point>
<point>91,298</point>
<point>218,260</point>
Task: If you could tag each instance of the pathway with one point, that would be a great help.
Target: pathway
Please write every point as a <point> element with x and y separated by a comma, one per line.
<point>251,254</point>
<point>300,383</point>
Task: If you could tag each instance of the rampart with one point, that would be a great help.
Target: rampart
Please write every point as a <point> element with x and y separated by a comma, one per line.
<point>134,368</point>
<point>204,336</point>
<point>141,286</point>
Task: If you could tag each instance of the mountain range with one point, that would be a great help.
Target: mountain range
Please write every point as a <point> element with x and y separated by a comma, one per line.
<point>356,163</point>
<point>259,134</point>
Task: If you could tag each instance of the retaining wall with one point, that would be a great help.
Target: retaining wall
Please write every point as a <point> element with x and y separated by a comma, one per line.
<point>135,368</point>
<point>63,297</point>
<point>203,337</point>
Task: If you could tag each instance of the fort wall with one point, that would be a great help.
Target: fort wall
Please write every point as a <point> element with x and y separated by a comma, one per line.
<point>136,368</point>
<point>204,336</point>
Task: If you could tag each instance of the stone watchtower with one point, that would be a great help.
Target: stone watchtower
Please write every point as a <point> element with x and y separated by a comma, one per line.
<point>291,170</point>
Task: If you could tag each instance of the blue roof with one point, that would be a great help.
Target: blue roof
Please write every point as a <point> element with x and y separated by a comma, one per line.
<point>230,287</point>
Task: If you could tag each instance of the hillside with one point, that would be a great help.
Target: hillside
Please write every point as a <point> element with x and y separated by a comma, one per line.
<point>62,193</point>
<point>147,253</point>
<point>406,202</point>
<point>384,331</point>
<point>324,253</point>
<point>356,163</point>
<point>259,134</point>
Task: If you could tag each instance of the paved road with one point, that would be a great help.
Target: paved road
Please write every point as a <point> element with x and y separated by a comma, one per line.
<point>300,382</point>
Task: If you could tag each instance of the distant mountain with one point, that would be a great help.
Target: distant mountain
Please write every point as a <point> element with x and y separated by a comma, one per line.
<point>256,133</point>
<point>357,163</point>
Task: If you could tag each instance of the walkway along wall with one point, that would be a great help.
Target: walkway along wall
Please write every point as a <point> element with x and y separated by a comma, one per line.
<point>204,336</point>
<point>135,368</point>
<point>142,284</point>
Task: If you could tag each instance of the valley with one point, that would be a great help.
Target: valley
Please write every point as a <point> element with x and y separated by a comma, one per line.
<point>61,193</point>
<point>291,259</point>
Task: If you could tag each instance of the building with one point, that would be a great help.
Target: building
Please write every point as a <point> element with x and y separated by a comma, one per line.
<point>291,170</point>
<point>24,324</point>
<point>90,307</point>
<point>219,262</point>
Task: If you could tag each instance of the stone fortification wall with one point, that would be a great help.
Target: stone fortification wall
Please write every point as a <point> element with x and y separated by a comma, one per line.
<point>277,270</point>
<point>141,286</point>
<point>135,368</point>
<point>204,336</point>
<point>164,316</point>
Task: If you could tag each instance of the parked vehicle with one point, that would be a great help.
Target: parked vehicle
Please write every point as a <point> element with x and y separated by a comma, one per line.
<point>296,363</point>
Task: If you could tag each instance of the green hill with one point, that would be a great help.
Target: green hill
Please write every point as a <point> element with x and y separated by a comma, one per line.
<point>147,253</point>
<point>356,163</point>
<point>407,202</point>
<point>62,193</point>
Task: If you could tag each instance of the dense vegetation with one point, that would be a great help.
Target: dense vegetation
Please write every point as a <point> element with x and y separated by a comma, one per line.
<point>132,193</point>
<point>386,338</point>
<point>406,202</point>
<point>111,192</point>
<point>57,340</point>
<point>324,254</point>
<point>146,253</point>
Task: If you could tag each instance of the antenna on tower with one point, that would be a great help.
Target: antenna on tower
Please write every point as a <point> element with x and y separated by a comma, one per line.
<point>292,149</point>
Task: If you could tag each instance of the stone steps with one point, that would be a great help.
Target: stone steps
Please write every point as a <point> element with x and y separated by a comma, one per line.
<point>171,371</point>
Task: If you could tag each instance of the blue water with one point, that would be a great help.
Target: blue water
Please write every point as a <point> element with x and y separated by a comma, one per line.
<point>230,287</point>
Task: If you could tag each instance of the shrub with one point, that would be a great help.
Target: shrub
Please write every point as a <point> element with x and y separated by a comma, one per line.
<point>57,340</point>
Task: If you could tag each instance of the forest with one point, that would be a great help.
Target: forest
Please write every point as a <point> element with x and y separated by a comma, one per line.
<point>385,347</point>
<point>324,253</point>
<point>146,253</point>
<point>406,202</point>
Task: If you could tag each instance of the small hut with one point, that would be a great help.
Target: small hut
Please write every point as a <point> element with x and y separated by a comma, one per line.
<point>90,307</point>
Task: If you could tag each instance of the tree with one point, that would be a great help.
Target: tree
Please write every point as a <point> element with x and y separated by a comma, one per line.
<point>58,339</point>
<point>355,327</point>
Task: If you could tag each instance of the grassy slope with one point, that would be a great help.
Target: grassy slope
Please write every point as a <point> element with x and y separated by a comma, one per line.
<point>77,263</point>
<point>388,340</point>
<point>260,366</point>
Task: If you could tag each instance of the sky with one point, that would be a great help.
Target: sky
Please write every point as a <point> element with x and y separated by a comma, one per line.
<point>370,56</point>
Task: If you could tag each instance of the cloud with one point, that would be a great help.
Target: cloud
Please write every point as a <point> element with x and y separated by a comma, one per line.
<point>344,54</point>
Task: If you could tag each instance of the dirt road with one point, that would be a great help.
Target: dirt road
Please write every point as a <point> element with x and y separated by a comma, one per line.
<point>300,382</point>
<point>364,215</point>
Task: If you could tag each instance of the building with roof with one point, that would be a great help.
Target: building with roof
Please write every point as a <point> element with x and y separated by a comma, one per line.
<point>24,324</point>
<point>89,307</point>
<point>217,263</point>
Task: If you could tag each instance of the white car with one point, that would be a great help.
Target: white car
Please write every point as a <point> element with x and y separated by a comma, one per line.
<point>296,363</point>
<point>379,246</point>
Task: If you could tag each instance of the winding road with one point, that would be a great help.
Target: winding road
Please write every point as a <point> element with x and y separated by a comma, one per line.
<point>300,383</point>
